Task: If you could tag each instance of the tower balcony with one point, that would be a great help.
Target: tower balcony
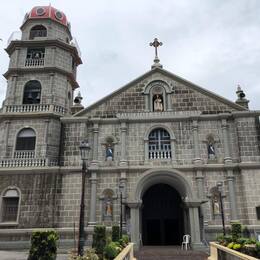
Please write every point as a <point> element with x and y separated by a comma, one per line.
<point>34,108</point>
<point>32,62</point>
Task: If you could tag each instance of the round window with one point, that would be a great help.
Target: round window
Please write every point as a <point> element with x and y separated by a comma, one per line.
<point>40,11</point>
<point>58,15</point>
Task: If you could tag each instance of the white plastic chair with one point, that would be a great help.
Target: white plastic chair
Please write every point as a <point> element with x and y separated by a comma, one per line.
<point>186,242</point>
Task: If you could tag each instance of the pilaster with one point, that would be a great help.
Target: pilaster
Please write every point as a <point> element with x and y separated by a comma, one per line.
<point>93,199</point>
<point>123,160</point>
<point>224,126</point>
<point>232,195</point>
<point>95,143</point>
<point>197,159</point>
<point>7,127</point>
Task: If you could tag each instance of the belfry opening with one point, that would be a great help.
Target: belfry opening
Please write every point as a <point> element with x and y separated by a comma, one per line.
<point>162,216</point>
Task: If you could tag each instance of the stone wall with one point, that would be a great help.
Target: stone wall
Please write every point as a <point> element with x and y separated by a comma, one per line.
<point>131,99</point>
<point>38,198</point>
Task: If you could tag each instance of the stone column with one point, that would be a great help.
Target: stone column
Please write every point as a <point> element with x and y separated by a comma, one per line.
<point>123,184</point>
<point>173,151</point>
<point>46,141</point>
<point>93,199</point>
<point>195,227</point>
<point>197,158</point>
<point>147,105</point>
<point>224,126</point>
<point>16,61</point>
<point>51,87</point>
<point>95,143</point>
<point>200,180</point>
<point>201,196</point>
<point>232,195</point>
<point>14,79</point>
<point>169,103</point>
<point>135,223</point>
<point>7,126</point>
<point>53,56</point>
<point>123,160</point>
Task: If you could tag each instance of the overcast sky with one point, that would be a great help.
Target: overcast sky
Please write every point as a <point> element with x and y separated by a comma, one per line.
<point>212,43</point>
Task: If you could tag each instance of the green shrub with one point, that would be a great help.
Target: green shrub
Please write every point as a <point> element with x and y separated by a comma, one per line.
<point>236,231</point>
<point>124,241</point>
<point>112,250</point>
<point>224,240</point>
<point>115,233</point>
<point>89,254</point>
<point>43,245</point>
<point>257,248</point>
<point>99,240</point>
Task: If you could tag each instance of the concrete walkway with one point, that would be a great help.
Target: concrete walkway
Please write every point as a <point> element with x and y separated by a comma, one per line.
<point>22,255</point>
<point>169,253</point>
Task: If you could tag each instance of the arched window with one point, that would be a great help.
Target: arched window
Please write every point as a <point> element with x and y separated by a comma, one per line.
<point>10,205</point>
<point>26,140</point>
<point>32,92</point>
<point>38,31</point>
<point>159,143</point>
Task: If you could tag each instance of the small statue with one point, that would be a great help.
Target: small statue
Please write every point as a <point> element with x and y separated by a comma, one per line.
<point>109,152</point>
<point>158,104</point>
<point>108,210</point>
<point>211,151</point>
<point>215,204</point>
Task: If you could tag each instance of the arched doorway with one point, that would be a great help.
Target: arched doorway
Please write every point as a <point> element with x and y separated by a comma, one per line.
<point>162,216</point>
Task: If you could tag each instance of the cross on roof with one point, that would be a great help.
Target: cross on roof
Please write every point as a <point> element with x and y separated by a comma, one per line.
<point>156,44</point>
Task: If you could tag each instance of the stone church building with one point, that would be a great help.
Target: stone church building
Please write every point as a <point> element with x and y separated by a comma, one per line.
<point>177,154</point>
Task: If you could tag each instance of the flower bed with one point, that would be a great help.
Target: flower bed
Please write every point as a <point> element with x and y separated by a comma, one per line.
<point>107,247</point>
<point>245,247</point>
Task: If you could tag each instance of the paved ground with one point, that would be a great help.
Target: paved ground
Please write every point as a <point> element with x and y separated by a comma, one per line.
<point>145,253</point>
<point>169,253</point>
<point>14,255</point>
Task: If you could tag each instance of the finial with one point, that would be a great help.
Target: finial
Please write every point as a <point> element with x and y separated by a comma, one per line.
<point>240,93</point>
<point>156,60</point>
<point>78,99</point>
<point>241,100</point>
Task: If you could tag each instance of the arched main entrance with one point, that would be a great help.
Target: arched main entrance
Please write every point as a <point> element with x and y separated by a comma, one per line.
<point>162,216</point>
<point>179,188</point>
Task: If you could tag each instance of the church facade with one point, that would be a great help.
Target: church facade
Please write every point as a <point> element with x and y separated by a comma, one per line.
<point>178,158</point>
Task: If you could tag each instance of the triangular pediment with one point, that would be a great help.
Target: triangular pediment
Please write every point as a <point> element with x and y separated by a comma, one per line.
<point>184,96</point>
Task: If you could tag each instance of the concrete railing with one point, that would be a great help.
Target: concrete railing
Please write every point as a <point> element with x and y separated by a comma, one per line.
<point>218,252</point>
<point>159,154</point>
<point>24,154</point>
<point>127,253</point>
<point>33,108</point>
<point>36,62</point>
<point>33,162</point>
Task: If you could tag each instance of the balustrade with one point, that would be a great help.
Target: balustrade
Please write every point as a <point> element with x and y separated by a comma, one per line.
<point>28,162</point>
<point>24,154</point>
<point>32,108</point>
<point>160,154</point>
<point>34,62</point>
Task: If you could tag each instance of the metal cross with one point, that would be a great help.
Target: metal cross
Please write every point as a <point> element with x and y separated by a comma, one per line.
<point>156,44</point>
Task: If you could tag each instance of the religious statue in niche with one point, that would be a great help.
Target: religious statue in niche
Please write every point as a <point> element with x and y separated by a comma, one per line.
<point>211,147</point>
<point>215,201</point>
<point>211,151</point>
<point>109,152</point>
<point>216,204</point>
<point>108,208</point>
<point>158,103</point>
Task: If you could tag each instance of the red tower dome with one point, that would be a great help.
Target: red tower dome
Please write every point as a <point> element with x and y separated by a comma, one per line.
<point>47,12</point>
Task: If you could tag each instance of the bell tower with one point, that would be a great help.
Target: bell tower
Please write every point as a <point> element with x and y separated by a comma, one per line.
<point>41,80</point>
